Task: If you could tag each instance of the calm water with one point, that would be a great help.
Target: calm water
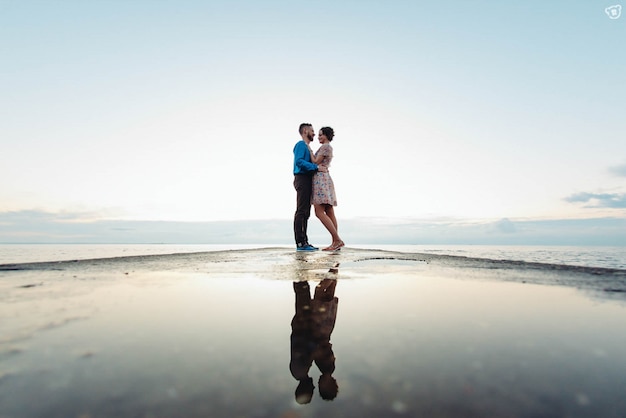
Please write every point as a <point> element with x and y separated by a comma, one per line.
<point>215,337</point>
<point>608,257</point>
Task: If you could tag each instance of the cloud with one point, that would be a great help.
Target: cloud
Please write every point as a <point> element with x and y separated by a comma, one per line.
<point>65,228</point>
<point>505,226</point>
<point>619,170</point>
<point>31,226</point>
<point>599,200</point>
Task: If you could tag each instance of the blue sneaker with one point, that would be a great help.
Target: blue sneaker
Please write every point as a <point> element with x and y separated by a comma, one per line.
<point>306,247</point>
<point>314,247</point>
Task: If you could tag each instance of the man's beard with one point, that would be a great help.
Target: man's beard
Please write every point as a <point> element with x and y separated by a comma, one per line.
<point>310,137</point>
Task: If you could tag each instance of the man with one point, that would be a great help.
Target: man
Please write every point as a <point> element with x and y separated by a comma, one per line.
<point>303,170</point>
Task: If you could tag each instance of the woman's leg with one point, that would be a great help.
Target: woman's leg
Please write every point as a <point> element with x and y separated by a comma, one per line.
<point>327,222</point>
<point>330,212</point>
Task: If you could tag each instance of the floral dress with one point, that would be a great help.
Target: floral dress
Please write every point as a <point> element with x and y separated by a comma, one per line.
<point>323,187</point>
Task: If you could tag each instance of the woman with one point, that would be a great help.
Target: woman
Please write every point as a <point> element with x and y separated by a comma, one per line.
<point>323,197</point>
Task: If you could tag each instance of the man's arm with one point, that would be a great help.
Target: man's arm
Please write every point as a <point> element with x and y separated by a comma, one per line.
<point>300,152</point>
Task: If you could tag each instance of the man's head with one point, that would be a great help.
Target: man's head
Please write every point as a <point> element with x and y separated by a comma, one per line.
<point>304,391</point>
<point>306,132</point>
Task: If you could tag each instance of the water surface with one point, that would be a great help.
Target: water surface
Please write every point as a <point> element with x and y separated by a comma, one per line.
<point>216,338</point>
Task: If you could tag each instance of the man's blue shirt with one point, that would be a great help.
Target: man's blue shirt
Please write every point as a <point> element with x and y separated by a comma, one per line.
<point>302,159</point>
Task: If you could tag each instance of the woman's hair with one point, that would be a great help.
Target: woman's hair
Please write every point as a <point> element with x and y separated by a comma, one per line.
<point>328,132</point>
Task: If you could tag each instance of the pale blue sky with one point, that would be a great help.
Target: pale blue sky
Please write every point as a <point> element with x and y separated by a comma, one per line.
<point>471,111</point>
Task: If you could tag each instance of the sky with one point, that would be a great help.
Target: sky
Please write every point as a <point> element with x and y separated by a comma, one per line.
<point>446,114</point>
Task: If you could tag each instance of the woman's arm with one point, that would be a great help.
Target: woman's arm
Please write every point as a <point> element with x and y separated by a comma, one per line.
<point>317,159</point>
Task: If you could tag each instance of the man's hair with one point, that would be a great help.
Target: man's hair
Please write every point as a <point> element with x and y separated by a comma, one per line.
<point>303,126</point>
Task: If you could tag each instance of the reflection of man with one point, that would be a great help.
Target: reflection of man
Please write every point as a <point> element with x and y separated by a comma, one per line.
<point>310,339</point>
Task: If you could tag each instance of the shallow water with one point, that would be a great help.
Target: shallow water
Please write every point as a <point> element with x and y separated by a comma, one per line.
<point>213,339</point>
<point>590,256</point>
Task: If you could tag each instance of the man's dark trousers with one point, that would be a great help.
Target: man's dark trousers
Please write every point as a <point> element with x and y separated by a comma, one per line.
<point>304,188</point>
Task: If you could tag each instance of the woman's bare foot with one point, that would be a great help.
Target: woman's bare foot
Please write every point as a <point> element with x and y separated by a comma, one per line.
<point>335,246</point>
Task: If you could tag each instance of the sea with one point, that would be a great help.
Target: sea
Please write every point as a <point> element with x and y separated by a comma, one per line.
<point>587,256</point>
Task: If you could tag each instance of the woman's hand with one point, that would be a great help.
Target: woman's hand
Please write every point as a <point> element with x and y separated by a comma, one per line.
<point>315,159</point>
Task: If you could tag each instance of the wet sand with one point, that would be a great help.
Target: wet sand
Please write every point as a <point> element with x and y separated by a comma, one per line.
<point>237,333</point>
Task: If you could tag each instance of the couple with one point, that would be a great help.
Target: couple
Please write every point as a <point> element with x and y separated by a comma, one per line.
<point>314,186</point>
<point>311,327</point>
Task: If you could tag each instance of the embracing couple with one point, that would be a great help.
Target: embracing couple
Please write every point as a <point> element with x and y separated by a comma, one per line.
<point>314,186</point>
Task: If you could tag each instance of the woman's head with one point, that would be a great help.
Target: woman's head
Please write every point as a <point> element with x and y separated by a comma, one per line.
<point>328,132</point>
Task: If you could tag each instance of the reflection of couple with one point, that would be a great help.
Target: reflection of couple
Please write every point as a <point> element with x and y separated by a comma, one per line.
<point>311,327</point>
<point>314,186</point>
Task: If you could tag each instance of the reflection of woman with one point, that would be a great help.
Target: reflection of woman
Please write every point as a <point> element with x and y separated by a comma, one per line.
<point>324,307</point>
<point>324,198</point>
